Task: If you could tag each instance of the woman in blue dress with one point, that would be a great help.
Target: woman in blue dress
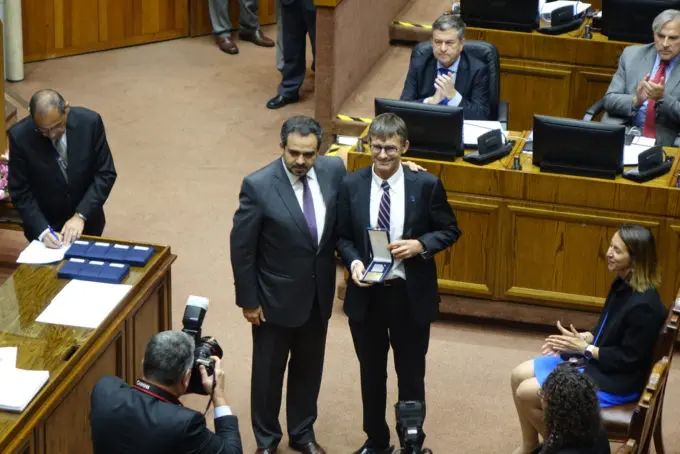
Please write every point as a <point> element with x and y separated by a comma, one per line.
<point>618,351</point>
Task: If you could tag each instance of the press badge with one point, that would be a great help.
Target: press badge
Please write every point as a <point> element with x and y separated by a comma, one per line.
<point>382,258</point>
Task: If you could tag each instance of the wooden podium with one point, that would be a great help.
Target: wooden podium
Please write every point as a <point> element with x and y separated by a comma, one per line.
<point>57,420</point>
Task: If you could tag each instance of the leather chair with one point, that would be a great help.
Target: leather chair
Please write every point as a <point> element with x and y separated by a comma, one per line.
<point>488,54</point>
<point>623,422</point>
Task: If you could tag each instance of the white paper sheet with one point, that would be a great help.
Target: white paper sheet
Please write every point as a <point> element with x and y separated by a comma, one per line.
<point>17,386</point>
<point>346,140</point>
<point>631,152</point>
<point>83,303</point>
<point>36,253</point>
<point>8,358</point>
<point>547,8</point>
<point>472,129</point>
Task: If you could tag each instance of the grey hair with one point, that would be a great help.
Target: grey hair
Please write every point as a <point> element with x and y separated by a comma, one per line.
<point>449,22</point>
<point>663,18</point>
<point>168,356</point>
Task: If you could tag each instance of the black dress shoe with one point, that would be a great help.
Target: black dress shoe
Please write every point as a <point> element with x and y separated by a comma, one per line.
<point>368,448</point>
<point>279,101</point>
<point>307,448</point>
<point>265,451</point>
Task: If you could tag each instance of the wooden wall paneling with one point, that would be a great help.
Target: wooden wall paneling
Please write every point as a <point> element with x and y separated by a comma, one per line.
<point>146,322</point>
<point>38,28</point>
<point>77,23</point>
<point>466,268</point>
<point>669,261</point>
<point>532,88</point>
<point>559,255</point>
<point>67,428</point>
<point>590,85</point>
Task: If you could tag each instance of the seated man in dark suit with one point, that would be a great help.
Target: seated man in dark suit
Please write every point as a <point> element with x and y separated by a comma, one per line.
<point>448,75</point>
<point>644,91</point>
<point>60,170</point>
<point>148,418</point>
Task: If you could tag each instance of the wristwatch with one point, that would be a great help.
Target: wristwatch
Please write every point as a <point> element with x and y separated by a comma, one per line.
<point>81,216</point>
<point>588,352</point>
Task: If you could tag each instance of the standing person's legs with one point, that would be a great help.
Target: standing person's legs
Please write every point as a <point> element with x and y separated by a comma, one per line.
<point>305,370</point>
<point>222,26</point>
<point>294,45</point>
<point>271,345</point>
<point>310,22</point>
<point>279,37</point>
<point>250,25</point>
<point>409,345</point>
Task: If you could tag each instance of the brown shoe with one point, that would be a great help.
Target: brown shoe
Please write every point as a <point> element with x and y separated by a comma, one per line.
<point>257,37</point>
<point>226,44</point>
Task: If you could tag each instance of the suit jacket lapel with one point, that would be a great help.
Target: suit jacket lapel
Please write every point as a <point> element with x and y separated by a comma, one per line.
<point>72,148</point>
<point>410,197</point>
<point>646,65</point>
<point>362,199</point>
<point>49,154</point>
<point>285,191</point>
<point>462,75</point>
<point>429,77</point>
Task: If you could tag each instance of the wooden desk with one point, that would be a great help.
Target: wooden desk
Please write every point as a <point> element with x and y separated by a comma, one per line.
<point>57,420</point>
<point>559,75</point>
<point>541,238</point>
<point>9,216</point>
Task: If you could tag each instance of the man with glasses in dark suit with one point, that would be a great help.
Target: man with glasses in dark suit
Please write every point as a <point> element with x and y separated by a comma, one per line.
<point>60,170</point>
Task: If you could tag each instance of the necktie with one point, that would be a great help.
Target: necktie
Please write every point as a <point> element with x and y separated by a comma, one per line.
<point>649,128</point>
<point>308,209</point>
<point>443,71</point>
<point>62,158</point>
<point>384,210</point>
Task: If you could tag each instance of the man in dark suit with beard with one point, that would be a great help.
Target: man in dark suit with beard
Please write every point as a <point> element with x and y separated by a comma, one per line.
<point>60,170</point>
<point>446,74</point>
<point>397,310</point>
<point>282,255</point>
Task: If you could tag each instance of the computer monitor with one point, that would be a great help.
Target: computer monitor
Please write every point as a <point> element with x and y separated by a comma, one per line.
<point>631,20</point>
<point>434,131</point>
<point>517,15</point>
<point>578,147</point>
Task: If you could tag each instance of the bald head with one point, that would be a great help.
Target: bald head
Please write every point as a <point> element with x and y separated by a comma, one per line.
<point>45,100</point>
<point>49,112</point>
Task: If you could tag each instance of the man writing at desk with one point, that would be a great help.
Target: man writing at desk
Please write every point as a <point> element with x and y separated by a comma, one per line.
<point>60,170</point>
<point>447,75</point>
<point>645,89</point>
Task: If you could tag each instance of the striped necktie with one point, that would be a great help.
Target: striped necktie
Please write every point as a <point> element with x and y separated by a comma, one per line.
<point>62,157</point>
<point>384,210</point>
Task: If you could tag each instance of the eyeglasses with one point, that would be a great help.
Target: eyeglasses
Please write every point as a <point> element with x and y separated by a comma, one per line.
<point>58,127</point>
<point>390,150</point>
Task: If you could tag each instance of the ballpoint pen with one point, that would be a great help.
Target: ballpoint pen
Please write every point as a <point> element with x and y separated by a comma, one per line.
<point>54,234</point>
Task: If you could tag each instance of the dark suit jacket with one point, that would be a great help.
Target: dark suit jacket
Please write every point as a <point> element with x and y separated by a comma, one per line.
<point>126,421</point>
<point>628,338</point>
<point>309,4</point>
<point>428,218</point>
<point>276,265</point>
<point>37,186</point>
<point>472,82</point>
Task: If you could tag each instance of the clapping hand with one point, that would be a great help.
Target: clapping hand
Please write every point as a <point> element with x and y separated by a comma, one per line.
<point>444,84</point>
<point>568,341</point>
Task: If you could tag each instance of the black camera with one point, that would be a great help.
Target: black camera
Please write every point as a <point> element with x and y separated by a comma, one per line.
<point>194,313</point>
<point>410,417</point>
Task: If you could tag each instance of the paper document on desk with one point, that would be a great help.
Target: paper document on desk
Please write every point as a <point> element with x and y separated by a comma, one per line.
<point>8,358</point>
<point>18,387</point>
<point>472,129</point>
<point>631,152</point>
<point>83,303</point>
<point>547,8</point>
<point>36,253</point>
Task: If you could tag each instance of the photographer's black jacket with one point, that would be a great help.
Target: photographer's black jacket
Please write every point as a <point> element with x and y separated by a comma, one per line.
<point>125,420</point>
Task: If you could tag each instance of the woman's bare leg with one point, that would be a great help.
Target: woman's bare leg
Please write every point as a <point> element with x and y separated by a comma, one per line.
<point>521,374</point>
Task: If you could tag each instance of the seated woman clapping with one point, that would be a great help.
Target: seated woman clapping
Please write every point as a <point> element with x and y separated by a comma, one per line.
<point>618,355</point>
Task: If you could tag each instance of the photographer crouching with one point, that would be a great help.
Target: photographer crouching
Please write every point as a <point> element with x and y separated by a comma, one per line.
<point>148,418</point>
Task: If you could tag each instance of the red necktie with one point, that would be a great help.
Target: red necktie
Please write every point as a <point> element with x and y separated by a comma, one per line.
<point>649,128</point>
